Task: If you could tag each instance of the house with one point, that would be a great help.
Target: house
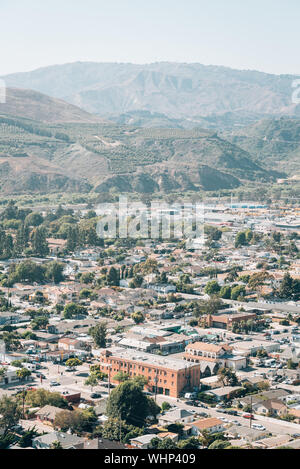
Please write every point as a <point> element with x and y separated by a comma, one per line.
<point>272,406</point>
<point>47,414</point>
<point>8,318</point>
<point>180,416</point>
<point>102,443</point>
<point>295,413</point>
<point>10,375</point>
<point>220,394</point>
<point>276,394</point>
<point>246,433</point>
<point>273,442</point>
<point>168,436</point>
<point>143,442</point>
<point>290,353</point>
<point>163,289</point>
<point>56,245</point>
<point>210,425</point>
<point>66,440</point>
<point>69,344</point>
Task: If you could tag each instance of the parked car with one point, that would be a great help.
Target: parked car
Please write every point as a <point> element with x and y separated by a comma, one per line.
<point>107,385</point>
<point>96,395</point>
<point>54,383</point>
<point>257,426</point>
<point>190,403</point>
<point>40,375</point>
<point>248,416</point>
<point>232,412</point>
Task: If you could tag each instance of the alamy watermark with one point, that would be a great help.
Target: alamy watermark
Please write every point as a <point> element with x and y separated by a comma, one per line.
<point>2,92</point>
<point>157,220</point>
<point>296,93</point>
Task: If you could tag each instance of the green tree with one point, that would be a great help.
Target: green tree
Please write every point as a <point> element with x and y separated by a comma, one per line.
<point>227,376</point>
<point>41,397</point>
<point>92,381</point>
<point>219,444</point>
<point>240,239</point>
<point>27,437</point>
<point>212,288</point>
<point>99,333</point>
<point>34,219</point>
<point>76,421</point>
<point>54,272</point>
<point>72,310</point>
<point>225,292</point>
<point>118,430</point>
<point>10,413</point>
<point>129,403</point>
<point>73,362</point>
<point>39,242</point>
<point>120,377</point>
<point>56,445</point>
<point>165,406</point>
<point>138,317</point>
<point>237,292</point>
<point>113,277</point>
<point>23,374</point>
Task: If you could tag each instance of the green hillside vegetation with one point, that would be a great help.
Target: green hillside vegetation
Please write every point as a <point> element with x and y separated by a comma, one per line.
<point>39,157</point>
<point>273,143</point>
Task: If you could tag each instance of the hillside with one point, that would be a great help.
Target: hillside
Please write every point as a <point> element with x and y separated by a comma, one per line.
<point>36,106</point>
<point>273,143</point>
<point>206,96</point>
<point>35,157</point>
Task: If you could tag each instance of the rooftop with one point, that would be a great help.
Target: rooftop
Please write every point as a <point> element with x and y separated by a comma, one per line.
<point>150,359</point>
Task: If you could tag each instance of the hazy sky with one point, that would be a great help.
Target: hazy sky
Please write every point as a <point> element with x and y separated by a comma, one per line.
<point>245,34</point>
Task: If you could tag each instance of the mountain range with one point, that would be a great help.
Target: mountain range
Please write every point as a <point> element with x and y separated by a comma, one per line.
<point>161,127</point>
<point>191,94</point>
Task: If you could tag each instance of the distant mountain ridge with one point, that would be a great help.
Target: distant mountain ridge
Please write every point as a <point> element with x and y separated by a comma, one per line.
<point>176,90</point>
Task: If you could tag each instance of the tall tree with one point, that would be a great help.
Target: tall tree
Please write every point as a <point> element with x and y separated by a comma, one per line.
<point>99,333</point>
<point>39,243</point>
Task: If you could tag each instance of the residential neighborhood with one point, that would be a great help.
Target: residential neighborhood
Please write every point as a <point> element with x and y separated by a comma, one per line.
<point>148,344</point>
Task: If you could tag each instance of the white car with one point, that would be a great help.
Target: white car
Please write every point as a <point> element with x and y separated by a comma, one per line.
<point>257,426</point>
<point>224,420</point>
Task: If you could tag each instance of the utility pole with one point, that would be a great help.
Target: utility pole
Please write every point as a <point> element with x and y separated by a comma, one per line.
<point>250,411</point>
<point>155,381</point>
<point>23,402</point>
<point>109,368</point>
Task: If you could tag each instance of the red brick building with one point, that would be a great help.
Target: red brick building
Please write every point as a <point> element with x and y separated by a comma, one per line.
<point>165,375</point>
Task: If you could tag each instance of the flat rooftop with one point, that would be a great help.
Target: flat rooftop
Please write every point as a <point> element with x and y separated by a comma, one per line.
<point>150,359</point>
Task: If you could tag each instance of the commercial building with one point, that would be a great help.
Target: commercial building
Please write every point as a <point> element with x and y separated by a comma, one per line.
<point>225,319</point>
<point>211,357</point>
<point>165,375</point>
